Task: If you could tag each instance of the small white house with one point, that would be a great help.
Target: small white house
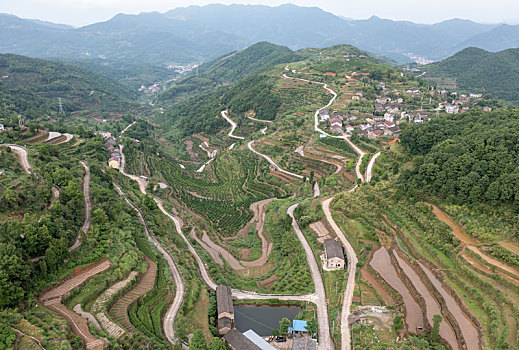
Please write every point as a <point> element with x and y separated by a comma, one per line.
<point>333,255</point>
<point>2,128</point>
<point>451,109</point>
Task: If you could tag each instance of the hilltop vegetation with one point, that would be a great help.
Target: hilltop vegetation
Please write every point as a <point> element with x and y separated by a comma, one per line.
<point>230,68</point>
<point>31,87</point>
<point>471,158</point>
<point>477,70</point>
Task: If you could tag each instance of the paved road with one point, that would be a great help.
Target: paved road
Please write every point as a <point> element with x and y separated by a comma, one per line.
<point>21,153</point>
<point>88,208</point>
<point>369,170</point>
<point>169,318</point>
<point>233,126</point>
<point>325,340</point>
<point>350,286</point>
<point>278,168</point>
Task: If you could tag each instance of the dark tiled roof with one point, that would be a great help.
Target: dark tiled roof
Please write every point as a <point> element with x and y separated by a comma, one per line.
<point>333,249</point>
<point>237,341</point>
<point>224,299</point>
<point>305,343</point>
<point>224,322</point>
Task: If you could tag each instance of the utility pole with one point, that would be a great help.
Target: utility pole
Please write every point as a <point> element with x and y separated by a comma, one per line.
<point>60,105</point>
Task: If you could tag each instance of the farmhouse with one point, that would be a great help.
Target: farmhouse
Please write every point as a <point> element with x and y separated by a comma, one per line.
<point>225,309</point>
<point>235,340</point>
<point>304,343</point>
<point>333,254</point>
<point>323,113</point>
<point>451,109</point>
<point>259,341</point>
<point>113,162</point>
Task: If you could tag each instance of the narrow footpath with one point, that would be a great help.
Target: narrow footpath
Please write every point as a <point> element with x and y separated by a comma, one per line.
<point>88,208</point>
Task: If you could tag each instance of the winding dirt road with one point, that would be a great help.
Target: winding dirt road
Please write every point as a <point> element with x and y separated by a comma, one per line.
<point>278,168</point>
<point>360,152</point>
<point>233,126</point>
<point>171,313</point>
<point>21,153</point>
<point>369,170</point>
<point>325,340</point>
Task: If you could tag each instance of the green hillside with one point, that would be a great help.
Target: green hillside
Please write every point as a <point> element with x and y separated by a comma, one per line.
<point>32,87</point>
<point>480,71</point>
<point>231,68</point>
<point>469,158</point>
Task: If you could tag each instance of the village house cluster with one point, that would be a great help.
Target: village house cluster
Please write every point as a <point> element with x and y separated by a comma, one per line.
<point>392,109</point>
<point>115,154</point>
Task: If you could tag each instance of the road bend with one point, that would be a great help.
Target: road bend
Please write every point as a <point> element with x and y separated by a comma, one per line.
<point>22,154</point>
<point>88,208</point>
<point>225,116</point>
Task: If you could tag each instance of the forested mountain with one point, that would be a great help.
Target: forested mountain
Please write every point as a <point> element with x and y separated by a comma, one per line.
<point>478,70</point>
<point>500,38</point>
<point>196,34</point>
<point>231,68</point>
<point>468,158</point>
<point>32,86</point>
<point>462,29</point>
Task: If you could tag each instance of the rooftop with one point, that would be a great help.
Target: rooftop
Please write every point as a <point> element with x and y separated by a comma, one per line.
<point>305,343</point>
<point>224,299</point>
<point>238,341</point>
<point>259,341</point>
<point>298,326</point>
<point>333,249</point>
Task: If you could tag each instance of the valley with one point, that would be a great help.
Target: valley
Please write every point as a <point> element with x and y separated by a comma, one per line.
<point>323,179</point>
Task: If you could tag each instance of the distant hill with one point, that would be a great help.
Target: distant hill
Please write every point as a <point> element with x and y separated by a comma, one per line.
<point>462,29</point>
<point>201,33</point>
<point>32,86</point>
<point>478,70</point>
<point>231,68</point>
<point>500,38</point>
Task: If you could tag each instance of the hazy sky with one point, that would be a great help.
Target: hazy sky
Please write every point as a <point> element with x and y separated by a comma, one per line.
<point>81,12</point>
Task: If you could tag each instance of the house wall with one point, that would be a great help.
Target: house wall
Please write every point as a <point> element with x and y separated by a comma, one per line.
<point>335,263</point>
<point>226,314</point>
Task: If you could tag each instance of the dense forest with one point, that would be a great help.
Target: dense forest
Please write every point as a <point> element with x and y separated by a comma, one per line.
<point>466,158</point>
<point>31,87</point>
<point>231,68</point>
<point>477,70</point>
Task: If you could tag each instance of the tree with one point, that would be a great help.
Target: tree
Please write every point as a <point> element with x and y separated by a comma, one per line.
<point>13,275</point>
<point>283,325</point>
<point>198,341</point>
<point>216,344</point>
<point>312,326</point>
<point>435,331</point>
<point>7,336</point>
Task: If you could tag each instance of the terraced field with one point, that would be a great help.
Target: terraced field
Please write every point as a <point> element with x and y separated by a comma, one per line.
<point>119,310</point>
